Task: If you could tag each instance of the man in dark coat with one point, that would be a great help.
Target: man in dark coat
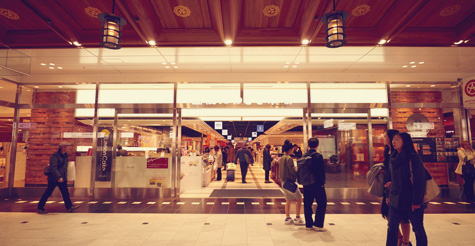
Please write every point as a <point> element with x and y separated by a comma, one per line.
<point>57,176</point>
<point>245,158</point>
<point>267,162</point>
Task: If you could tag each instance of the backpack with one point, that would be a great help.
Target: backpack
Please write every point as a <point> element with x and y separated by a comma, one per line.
<point>304,171</point>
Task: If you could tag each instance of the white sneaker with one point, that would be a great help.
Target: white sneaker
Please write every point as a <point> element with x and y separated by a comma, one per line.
<point>321,229</point>
<point>299,221</point>
<point>289,221</point>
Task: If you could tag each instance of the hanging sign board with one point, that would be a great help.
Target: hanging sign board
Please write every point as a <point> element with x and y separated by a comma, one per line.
<point>346,126</point>
<point>224,132</point>
<point>249,139</point>
<point>328,123</point>
<point>254,134</point>
<point>126,135</point>
<point>260,128</point>
<point>104,154</point>
<point>469,92</point>
<point>218,125</point>
<point>230,137</point>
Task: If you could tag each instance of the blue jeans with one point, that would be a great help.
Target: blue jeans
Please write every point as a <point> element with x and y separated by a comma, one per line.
<point>417,221</point>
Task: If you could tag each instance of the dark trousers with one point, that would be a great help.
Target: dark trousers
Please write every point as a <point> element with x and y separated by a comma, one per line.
<point>267,174</point>
<point>417,221</point>
<point>316,193</point>
<point>244,167</point>
<point>63,187</point>
<point>468,188</point>
<point>219,174</point>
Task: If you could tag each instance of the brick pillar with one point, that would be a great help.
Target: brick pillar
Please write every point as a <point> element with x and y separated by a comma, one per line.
<point>51,124</point>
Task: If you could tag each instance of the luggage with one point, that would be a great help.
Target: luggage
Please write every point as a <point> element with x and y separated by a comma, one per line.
<point>230,175</point>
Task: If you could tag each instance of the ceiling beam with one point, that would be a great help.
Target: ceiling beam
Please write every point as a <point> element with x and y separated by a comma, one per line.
<point>217,18</point>
<point>53,20</point>
<point>398,17</point>
<point>323,8</point>
<point>307,23</point>
<point>232,12</point>
<point>466,29</point>
<point>140,15</point>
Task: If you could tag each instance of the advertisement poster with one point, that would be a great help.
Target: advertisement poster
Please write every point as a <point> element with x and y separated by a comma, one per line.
<point>104,154</point>
<point>469,92</point>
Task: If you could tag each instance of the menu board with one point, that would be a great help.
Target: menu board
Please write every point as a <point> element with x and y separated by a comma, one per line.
<point>426,148</point>
<point>437,149</point>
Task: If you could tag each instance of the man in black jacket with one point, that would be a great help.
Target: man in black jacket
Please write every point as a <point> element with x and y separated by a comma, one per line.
<point>245,158</point>
<point>57,176</point>
<point>315,191</point>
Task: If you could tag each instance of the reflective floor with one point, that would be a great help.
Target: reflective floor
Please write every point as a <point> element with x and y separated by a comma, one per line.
<point>216,229</point>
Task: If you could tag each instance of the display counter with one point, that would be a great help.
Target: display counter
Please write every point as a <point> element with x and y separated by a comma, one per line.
<point>191,173</point>
<point>129,171</point>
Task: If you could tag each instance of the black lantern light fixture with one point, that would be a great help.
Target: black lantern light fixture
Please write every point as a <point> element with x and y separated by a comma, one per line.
<point>111,26</point>
<point>335,22</point>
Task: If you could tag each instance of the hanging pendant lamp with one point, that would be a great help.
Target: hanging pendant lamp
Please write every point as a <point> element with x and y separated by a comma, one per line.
<point>335,27</point>
<point>111,27</point>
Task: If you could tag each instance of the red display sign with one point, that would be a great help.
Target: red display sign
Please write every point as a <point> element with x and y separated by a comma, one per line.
<point>161,163</point>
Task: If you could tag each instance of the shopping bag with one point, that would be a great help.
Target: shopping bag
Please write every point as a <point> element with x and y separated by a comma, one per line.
<point>71,173</point>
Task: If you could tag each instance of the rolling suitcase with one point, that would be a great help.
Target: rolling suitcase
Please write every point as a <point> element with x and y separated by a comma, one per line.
<point>230,175</point>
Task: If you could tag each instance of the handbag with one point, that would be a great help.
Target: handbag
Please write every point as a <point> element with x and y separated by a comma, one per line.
<point>290,186</point>
<point>468,170</point>
<point>432,188</point>
<point>71,173</point>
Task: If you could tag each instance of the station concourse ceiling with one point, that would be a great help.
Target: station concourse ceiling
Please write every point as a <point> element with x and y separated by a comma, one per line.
<point>58,24</point>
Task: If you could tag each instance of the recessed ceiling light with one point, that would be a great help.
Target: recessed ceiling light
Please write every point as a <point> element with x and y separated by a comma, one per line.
<point>172,63</point>
<point>175,66</point>
<point>305,41</point>
<point>466,41</point>
<point>59,67</point>
<point>382,41</point>
<point>432,85</point>
<point>51,67</point>
<point>413,62</point>
<point>413,66</point>
<point>228,42</point>
<point>294,66</point>
<point>286,66</point>
<point>164,63</point>
<point>167,66</point>
<point>408,85</point>
<point>421,62</point>
<point>1,87</point>
<point>459,42</point>
<point>404,66</point>
<point>76,43</point>
<point>152,43</point>
<point>36,86</point>
<point>60,86</point>
<point>43,64</point>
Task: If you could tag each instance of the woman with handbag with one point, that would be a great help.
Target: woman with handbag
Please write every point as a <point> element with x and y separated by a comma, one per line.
<point>465,168</point>
<point>405,231</point>
<point>288,177</point>
<point>406,191</point>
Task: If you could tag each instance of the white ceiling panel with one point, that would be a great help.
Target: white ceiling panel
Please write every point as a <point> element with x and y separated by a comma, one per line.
<point>204,68</point>
<point>194,51</point>
<point>56,52</point>
<point>143,69</point>
<point>262,59</point>
<point>391,59</point>
<point>260,68</point>
<point>450,58</point>
<point>89,69</point>
<point>65,60</point>
<point>103,52</point>
<point>314,51</point>
<point>265,51</point>
<point>358,68</point>
<point>180,60</point>
<point>327,68</point>
<point>406,50</point>
<point>46,70</point>
<point>426,68</point>
<point>340,59</point>
<point>134,60</point>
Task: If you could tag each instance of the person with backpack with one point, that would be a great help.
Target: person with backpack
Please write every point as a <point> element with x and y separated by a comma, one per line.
<point>245,158</point>
<point>311,174</point>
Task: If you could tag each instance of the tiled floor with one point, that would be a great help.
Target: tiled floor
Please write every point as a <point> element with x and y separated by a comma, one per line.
<point>216,229</point>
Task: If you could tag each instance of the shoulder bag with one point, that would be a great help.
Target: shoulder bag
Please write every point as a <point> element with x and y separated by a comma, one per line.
<point>432,188</point>
<point>290,186</point>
